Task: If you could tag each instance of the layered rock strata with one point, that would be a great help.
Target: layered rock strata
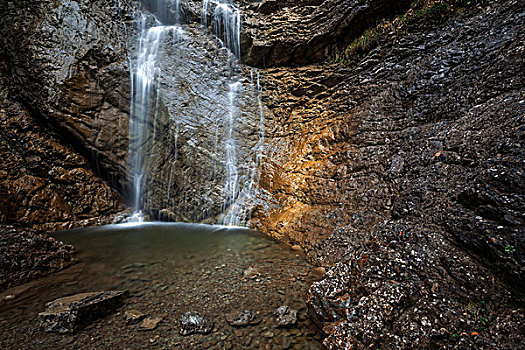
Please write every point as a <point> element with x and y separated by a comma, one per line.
<point>67,63</point>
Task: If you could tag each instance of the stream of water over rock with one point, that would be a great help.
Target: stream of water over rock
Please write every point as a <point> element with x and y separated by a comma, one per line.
<point>196,133</point>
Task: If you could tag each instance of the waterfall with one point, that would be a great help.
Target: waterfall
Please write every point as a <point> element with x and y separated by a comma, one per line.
<point>226,24</point>
<point>143,90</point>
<point>232,174</point>
<point>197,125</point>
<point>238,213</point>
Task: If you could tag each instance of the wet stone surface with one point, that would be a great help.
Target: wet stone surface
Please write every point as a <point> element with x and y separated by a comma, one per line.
<point>169,271</point>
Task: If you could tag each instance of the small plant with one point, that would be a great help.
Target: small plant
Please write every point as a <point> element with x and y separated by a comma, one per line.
<point>422,15</point>
<point>509,248</point>
<point>482,320</point>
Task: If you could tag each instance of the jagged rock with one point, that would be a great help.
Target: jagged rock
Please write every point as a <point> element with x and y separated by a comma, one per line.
<point>286,316</point>
<point>133,316</point>
<point>26,255</point>
<point>242,319</point>
<point>413,275</point>
<point>394,152</point>
<point>309,30</point>
<point>78,86</point>
<point>69,314</point>
<point>194,322</point>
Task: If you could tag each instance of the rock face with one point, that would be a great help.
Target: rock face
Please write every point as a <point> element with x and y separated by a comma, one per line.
<point>45,183</point>
<point>25,255</point>
<point>203,92</point>
<point>406,287</point>
<point>369,143</point>
<point>405,170</point>
<point>305,31</point>
<point>64,103</point>
<point>69,314</point>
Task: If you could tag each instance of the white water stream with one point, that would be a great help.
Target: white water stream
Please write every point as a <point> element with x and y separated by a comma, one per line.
<point>240,180</point>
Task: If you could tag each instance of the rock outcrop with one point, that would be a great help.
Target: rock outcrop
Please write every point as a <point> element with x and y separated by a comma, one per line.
<point>44,182</point>
<point>431,132</point>
<point>67,64</point>
<point>25,255</point>
<point>72,313</point>
<point>296,32</point>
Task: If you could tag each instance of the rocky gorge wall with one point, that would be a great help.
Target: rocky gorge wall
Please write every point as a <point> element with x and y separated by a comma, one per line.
<point>65,106</point>
<point>401,171</point>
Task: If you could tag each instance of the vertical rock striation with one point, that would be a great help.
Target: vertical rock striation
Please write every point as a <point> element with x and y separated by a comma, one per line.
<point>67,62</point>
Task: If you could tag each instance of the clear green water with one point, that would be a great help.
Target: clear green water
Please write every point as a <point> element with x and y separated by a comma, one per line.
<point>170,269</point>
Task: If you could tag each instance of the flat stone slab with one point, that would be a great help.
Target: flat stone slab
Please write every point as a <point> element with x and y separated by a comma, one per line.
<point>150,323</point>
<point>71,313</point>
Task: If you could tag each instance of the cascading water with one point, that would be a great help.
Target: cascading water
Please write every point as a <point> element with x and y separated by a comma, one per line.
<point>143,106</point>
<point>197,126</point>
<point>238,212</point>
<point>226,24</point>
<point>232,174</point>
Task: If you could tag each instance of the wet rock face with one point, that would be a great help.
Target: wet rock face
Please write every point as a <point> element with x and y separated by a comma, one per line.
<point>45,183</point>
<point>201,87</point>
<point>430,132</point>
<point>25,255</point>
<point>69,314</point>
<point>67,62</point>
<point>404,171</point>
<point>406,286</point>
<point>305,31</point>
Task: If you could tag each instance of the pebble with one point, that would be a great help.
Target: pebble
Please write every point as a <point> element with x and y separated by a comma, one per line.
<point>286,316</point>
<point>286,342</point>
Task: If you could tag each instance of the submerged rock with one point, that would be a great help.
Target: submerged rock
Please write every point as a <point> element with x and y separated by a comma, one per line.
<point>69,314</point>
<point>194,322</point>
<point>150,323</point>
<point>250,273</point>
<point>286,316</point>
<point>133,316</point>
<point>242,319</point>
